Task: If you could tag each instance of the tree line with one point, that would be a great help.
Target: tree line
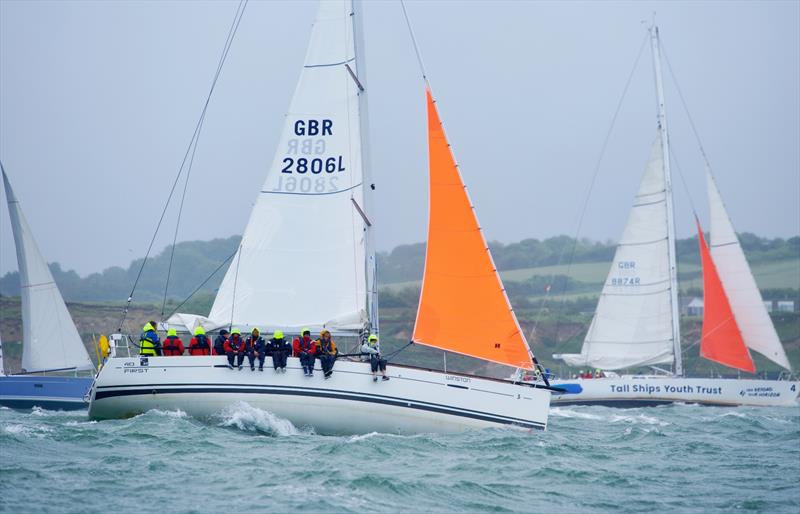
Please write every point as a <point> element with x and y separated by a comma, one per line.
<point>195,261</point>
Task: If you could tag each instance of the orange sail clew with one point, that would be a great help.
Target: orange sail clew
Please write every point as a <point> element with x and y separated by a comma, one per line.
<point>721,340</point>
<point>463,306</point>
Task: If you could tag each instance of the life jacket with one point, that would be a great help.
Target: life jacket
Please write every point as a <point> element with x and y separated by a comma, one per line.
<point>277,345</point>
<point>199,345</point>
<point>234,343</point>
<point>250,343</point>
<point>219,345</point>
<point>307,345</point>
<point>172,347</point>
<point>147,343</point>
<point>326,347</point>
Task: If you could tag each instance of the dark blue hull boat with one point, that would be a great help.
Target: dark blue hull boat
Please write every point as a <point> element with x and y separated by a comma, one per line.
<point>47,392</point>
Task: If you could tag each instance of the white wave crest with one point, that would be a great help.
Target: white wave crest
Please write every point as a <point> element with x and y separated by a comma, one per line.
<point>569,413</point>
<point>250,419</point>
<point>38,431</point>
<point>640,419</point>
<point>176,414</point>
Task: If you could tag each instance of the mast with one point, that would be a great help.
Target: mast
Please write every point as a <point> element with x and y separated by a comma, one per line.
<point>673,270</point>
<point>371,263</point>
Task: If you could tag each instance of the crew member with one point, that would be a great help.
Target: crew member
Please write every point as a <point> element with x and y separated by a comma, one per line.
<point>199,345</point>
<point>279,348</point>
<point>376,362</point>
<point>149,343</point>
<point>251,350</point>
<point>326,349</point>
<point>305,348</point>
<point>173,346</point>
<point>234,349</point>
<point>219,342</point>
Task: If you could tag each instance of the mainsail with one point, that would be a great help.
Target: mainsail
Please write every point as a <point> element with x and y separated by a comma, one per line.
<point>302,260</point>
<point>746,302</point>
<point>50,339</point>
<point>463,307</point>
<point>721,340</point>
<point>633,324</point>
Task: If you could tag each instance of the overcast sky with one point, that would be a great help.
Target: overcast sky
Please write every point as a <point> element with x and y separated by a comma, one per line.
<point>98,101</point>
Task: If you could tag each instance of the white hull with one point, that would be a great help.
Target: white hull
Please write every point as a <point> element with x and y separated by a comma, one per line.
<point>639,390</point>
<point>413,401</point>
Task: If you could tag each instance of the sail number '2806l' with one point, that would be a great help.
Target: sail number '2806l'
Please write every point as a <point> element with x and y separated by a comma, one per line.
<point>311,146</point>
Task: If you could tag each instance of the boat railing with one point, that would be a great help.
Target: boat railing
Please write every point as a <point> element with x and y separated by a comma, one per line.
<point>121,345</point>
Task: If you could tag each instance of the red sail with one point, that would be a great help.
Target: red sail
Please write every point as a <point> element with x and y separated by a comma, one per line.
<point>721,341</point>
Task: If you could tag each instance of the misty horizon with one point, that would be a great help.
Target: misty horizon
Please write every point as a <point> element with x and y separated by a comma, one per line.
<point>98,101</point>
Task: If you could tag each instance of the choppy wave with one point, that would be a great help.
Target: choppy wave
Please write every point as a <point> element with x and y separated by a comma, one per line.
<point>251,419</point>
<point>682,458</point>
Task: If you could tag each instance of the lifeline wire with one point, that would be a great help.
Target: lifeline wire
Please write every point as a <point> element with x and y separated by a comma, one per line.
<point>589,192</point>
<point>228,41</point>
<point>226,48</point>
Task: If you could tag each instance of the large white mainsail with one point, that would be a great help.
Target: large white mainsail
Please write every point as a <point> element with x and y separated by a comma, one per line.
<point>50,339</point>
<point>302,260</point>
<point>743,294</point>
<point>632,325</point>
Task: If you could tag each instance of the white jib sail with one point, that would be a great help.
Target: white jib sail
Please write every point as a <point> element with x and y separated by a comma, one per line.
<point>632,325</point>
<point>747,305</point>
<point>302,260</point>
<point>50,339</point>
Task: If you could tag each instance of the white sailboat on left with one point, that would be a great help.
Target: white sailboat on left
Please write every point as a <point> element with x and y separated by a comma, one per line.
<point>51,343</point>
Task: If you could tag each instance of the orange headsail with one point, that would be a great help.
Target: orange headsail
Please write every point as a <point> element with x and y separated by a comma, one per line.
<point>463,307</point>
<point>721,340</point>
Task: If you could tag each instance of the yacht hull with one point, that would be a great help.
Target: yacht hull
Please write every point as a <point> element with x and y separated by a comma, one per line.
<point>639,391</point>
<point>412,401</point>
<point>47,392</point>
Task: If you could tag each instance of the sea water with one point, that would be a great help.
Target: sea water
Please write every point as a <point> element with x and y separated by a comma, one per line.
<point>678,458</point>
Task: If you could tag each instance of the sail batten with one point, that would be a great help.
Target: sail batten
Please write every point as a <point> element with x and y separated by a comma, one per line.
<point>302,261</point>
<point>747,306</point>
<point>633,323</point>
<point>50,339</point>
<point>463,307</point>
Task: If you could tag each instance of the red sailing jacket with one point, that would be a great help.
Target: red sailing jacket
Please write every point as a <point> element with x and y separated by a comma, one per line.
<point>195,347</point>
<point>172,346</point>
<point>307,344</point>
<point>234,344</point>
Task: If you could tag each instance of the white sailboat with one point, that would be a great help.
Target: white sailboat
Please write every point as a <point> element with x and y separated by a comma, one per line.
<point>51,343</point>
<point>310,226</point>
<point>636,323</point>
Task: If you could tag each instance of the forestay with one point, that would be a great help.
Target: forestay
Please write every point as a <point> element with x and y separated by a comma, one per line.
<point>302,259</point>
<point>50,340</point>
<point>740,286</point>
<point>632,325</point>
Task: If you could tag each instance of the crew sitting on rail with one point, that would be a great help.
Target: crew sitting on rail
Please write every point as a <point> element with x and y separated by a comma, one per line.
<point>173,346</point>
<point>251,349</point>
<point>234,349</point>
<point>326,349</point>
<point>199,344</point>
<point>305,348</point>
<point>598,373</point>
<point>219,342</point>
<point>279,348</point>
<point>149,343</point>
<point>376,362</point>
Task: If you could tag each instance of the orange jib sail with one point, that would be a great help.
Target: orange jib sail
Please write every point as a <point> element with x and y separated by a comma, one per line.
<point>721,340</point>
<point>463,307</point>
